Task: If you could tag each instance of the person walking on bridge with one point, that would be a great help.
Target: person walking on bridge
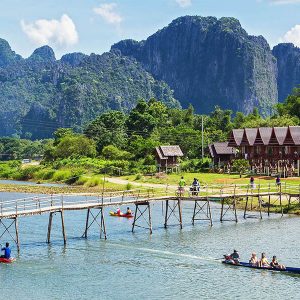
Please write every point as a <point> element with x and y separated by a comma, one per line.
<point>181,186</point>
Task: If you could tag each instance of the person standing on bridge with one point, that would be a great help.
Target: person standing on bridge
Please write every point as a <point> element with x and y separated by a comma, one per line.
<point>181,185</point>
<point>7,251</point>
<point>252,184</point>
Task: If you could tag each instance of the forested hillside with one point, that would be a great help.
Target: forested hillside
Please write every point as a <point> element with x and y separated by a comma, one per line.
<point>40,94</point>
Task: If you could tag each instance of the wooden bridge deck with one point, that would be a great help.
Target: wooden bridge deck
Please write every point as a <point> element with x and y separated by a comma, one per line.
<point>37,206</point>
<point>228,196</point>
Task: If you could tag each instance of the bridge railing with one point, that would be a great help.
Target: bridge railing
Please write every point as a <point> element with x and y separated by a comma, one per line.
<point>40,203</point>
<point>51,202</point>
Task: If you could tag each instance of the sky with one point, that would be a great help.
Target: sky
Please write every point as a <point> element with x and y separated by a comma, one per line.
<point>92,26</point>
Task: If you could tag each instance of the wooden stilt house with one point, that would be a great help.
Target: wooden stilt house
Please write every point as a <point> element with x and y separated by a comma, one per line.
<point>167,158</point>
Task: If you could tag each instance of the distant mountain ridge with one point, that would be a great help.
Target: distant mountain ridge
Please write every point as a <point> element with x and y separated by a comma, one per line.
<point>200,60</point>
<point>209,61</point>
<point>40,94</point>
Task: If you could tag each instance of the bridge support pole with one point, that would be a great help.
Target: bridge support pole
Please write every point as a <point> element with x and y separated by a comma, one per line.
<point>140,213</point>
<point>94,218</point>
<point>14,237</point>
<point>171,211</point>
<point>61,212</point>
<point>228,205</point>
<point>204,209</point>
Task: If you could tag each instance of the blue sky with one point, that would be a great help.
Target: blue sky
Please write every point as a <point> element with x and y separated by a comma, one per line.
<point>94,25</point>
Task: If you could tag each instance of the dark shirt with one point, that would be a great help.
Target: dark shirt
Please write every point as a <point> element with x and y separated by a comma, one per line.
<point>235,255</point>
<point>7,252</point>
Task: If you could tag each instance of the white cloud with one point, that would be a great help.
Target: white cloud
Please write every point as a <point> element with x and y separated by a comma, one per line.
<point>60,33</point>
<point>184,3</point>
<point>292,36</point>
<point>108,13</point>
<point>284,1</point>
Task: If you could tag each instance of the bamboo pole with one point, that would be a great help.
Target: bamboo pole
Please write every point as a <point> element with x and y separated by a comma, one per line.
<point>49,227</point>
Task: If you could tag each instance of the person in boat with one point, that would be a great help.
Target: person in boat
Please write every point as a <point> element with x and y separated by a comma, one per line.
<point>7,251</point>
<point>253,260</point>
<point>235,256</point>
<point>228,259</point>
<point>118,212</point>
<point>275,264</point>
<point>128,212</point>
<point>264,261</point>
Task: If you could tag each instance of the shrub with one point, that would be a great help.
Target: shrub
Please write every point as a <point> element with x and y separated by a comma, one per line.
<point>128,186</point>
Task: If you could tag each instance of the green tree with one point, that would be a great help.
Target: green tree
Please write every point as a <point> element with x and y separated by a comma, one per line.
<point>108,129</point>
<point>241,166</point>
<point>75,145</point>
<point>291,105</point>
<point>61,133</point>
<point>113,153</point>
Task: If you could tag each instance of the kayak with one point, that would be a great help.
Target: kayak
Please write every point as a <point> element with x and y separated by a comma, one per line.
<point>247,265</point>
<point>7,260</point>
<point>114,214</point>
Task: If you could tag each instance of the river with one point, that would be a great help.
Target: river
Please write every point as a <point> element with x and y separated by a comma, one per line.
<point>170,264</point>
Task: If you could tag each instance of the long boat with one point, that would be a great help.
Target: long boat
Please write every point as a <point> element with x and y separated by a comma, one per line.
<point>247,265</point>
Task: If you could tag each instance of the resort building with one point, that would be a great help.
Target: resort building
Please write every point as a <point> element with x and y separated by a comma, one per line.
<point>270,151</point>
<point>167,158</point>
<point>221,154</point>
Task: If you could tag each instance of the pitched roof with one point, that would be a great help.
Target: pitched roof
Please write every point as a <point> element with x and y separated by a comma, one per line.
<point>265,136</point>
<point>280,133</point>
<point>294,132</point>
<point>236,137</point>
<point>167,151</point>
<point>249,136</point>
<point>221,148</point>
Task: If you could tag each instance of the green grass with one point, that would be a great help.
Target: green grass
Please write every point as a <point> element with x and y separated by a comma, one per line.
<point>208,178</point>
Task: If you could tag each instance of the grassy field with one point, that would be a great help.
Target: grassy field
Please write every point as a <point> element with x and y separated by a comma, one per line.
<point>207,178</point>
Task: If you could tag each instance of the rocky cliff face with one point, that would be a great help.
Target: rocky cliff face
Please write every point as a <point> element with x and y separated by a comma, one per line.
<point>288,62</point>
<point>40,94</point>
<point>208,62</point>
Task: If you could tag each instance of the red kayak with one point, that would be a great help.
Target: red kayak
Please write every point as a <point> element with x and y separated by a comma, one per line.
<point>114,214</point>
<point>7,260</point>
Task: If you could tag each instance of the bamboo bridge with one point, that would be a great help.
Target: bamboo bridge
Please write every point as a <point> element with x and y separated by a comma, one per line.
<point>255,198</point>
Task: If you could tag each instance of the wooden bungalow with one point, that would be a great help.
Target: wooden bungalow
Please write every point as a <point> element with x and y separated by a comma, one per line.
<point>270,150</point>
<point>167,158</point>
<point>221,154</point>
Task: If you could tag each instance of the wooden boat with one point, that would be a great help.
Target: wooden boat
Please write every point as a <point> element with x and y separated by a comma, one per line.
<point>247,265</point>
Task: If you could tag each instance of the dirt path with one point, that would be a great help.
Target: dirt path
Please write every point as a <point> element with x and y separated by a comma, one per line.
<point>117,180</point>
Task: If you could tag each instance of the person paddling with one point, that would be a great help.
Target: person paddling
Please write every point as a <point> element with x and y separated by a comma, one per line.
<point>128,212</point>
<point>275,264</point>
<point>235,256</point>
<point>7,251</point>
<point>264,261</point>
